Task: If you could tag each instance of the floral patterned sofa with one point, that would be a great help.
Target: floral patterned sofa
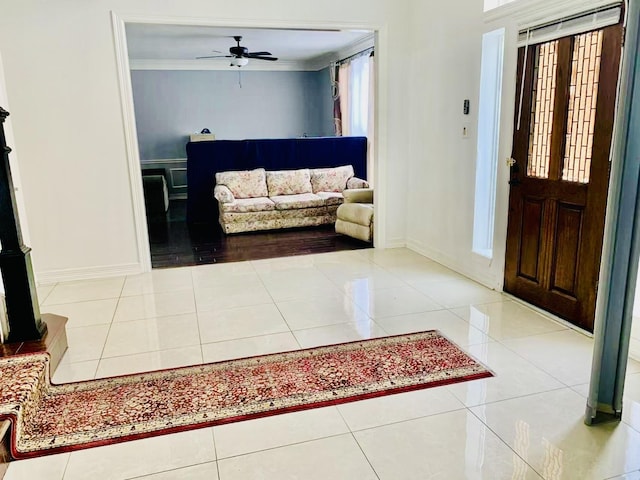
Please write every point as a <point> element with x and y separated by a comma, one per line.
<point>251,200</point>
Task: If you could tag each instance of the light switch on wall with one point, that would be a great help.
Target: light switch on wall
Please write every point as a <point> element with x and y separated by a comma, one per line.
<point>465,130</point>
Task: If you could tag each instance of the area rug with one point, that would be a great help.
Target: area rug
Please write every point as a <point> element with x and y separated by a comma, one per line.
<point>48,418</point>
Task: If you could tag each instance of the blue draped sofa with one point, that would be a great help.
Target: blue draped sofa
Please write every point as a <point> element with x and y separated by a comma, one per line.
<point>205,159</point>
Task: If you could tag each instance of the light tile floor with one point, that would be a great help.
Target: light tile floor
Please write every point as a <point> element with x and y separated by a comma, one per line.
<point>525,423</point>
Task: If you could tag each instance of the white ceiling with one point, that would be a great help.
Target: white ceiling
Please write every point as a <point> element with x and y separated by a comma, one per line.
<point>186,42</point>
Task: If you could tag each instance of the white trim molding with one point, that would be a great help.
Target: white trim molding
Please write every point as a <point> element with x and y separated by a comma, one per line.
<point>131,142</point>
<point>395,243</point>
<point>87,273</point>
<point>162,161</point>
<point>535,12</point>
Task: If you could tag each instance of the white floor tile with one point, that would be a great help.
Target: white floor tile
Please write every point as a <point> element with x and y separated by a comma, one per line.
<point>83,314</point>
<point>277,431</point>
<point>391,257</point>
<point>344,332</point>
<point>43,468</point>
<point>423,273</point>
<point>249,347</point>
<point>548,431</point>
<point>566,355</point>
<point>335,458</point>
<point>162,333</point>
<point>454,328</point>
<point>85,343</point>
<point>452,446</point>
<point>203,471</point>
<point>396,408</point>
<point>146,362</point>
<point>236,273</point>
<point>360,275</point>
<point>154,305</point>
<point>389,302</point>
<point>82,291</point>
<point>234,323</point>
<point>320,312</point>
<point>459,292</point>
<point>297,284</point>
<point>158,281</point>
<point>142,457</point>
<point>514,377</point>
<point>75,372</point>
<point>505,320</point>
<point>631,400</point>
<point>273,265</point>
<point>231,296</point>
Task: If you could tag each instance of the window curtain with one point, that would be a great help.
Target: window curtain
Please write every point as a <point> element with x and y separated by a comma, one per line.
<point>344,92</point>
<point>353,93</point>
<point>335,87</point>
<point>358,118</point>
<point>371,124</point>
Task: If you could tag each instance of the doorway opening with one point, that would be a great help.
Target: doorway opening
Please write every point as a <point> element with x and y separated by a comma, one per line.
<point>293,97</point>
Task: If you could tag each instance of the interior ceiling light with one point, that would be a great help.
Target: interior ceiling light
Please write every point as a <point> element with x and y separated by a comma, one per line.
<point>239,61</point>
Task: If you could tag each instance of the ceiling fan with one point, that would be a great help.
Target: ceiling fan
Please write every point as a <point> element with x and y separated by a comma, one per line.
<point>240,55</point>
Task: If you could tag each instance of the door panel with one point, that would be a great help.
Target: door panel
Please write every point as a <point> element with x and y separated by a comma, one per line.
<point>559,181</point>
<point>532,213</point>
<point>566,254</point>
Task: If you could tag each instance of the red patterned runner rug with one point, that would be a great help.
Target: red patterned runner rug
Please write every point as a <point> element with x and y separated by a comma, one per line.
<point>49,418</point>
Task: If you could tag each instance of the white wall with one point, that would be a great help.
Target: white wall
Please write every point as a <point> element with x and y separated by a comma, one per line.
<point>62,82</point>
<point>445,70</point>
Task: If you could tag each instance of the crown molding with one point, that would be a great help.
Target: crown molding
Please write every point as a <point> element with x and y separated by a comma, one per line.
<point>535,12</point>
<point>324,61</point>
<point>207,64</point>
<point>357,46</point>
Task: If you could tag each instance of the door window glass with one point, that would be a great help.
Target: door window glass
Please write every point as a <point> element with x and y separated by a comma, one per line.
<point>543,95</point>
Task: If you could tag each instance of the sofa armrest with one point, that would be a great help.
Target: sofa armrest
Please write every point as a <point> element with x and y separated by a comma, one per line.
<point>223,194</point>
<point>358,195</point>
<point>355,182</point>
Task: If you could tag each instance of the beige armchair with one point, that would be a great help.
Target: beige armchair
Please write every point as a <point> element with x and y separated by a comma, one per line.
<point>355,215</point>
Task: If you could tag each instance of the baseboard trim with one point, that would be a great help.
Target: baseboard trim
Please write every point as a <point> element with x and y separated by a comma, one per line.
<point>396,243</point>
<point>453,263</point>
<point>87,273</point>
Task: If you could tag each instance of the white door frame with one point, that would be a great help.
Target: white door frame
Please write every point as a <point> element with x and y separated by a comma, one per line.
<point>128,114</point>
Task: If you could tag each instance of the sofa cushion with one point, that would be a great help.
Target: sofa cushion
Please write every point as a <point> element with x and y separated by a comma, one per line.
<point>243,205</point>
<point>288,182</point>
<point>244,183</point>
<point>304,200</point>
<point>331,179</point>
<point>331,198</point>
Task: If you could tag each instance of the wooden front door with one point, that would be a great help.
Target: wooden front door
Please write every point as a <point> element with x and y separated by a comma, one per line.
<point>562,139</point>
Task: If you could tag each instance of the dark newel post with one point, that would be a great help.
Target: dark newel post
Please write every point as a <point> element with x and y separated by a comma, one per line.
<point>23,312</point>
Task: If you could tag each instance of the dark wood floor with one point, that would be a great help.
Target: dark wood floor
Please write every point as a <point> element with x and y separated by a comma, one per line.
<point>174,243</point>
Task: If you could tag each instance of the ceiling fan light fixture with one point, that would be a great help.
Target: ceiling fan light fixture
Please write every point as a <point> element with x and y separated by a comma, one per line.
<point>239,61</point>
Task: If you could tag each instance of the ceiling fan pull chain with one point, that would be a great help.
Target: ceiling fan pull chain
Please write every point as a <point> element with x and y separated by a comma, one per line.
<point>240,78</point>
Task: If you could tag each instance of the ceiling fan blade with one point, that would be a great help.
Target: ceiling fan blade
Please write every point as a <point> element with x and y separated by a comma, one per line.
<point>271,59</point>
<point>215,56</point>
<point>259,53</point>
